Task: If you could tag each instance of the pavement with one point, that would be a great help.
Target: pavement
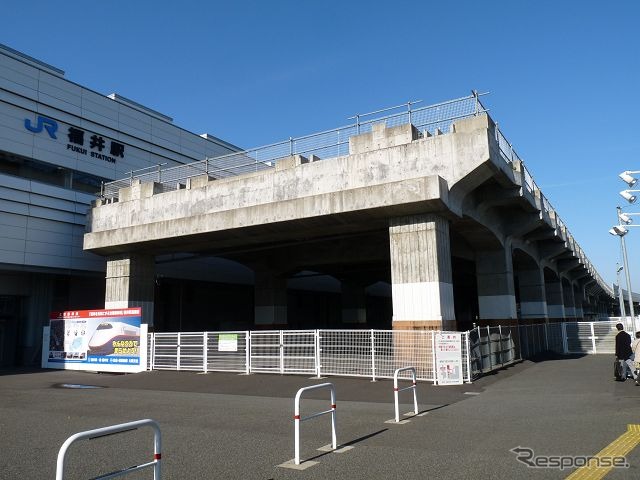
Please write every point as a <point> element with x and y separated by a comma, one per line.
<point>229,426</point>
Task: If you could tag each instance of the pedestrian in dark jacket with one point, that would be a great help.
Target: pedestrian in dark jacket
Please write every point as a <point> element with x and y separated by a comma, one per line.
<point>624,354</point>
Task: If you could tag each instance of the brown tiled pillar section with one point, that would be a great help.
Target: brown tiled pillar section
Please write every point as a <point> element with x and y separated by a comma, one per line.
<point>130,282</point>
<point>421,273</point>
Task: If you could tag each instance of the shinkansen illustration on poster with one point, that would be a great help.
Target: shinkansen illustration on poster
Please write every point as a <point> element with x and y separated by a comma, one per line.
<point>112,340</point>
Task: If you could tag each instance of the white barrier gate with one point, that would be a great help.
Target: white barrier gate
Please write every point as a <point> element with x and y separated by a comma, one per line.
<point>284,351</point>
<point>120,428</point>
<point>297,418</point>
<point>397,390</point>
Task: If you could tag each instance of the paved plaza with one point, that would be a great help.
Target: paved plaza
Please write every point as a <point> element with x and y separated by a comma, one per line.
<point>228,426</point>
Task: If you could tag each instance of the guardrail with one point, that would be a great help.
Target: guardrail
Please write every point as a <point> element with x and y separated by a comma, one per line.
<point>397,390</point>
<point>297,418</point>
<point>327,144</point>
<point>120,428</point>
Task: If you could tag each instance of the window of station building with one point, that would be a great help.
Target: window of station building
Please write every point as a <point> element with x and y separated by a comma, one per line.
<point>85,182</point>
<point>50,174</point>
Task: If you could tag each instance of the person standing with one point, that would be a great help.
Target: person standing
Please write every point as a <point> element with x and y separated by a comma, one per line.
<point>635,348</point>
<point>624,354</point>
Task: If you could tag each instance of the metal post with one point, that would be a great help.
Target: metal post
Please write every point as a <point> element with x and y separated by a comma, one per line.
<point>593,338</point>
<point>626,268</point>
<point>152,355</point>
<point>490,347</point>
<point>501,348</point>
<point>396,390</point>
<point>290,145</point>
<point>357,124</point>
<point>247,352</point>
<point>317,352</point>
<point>178,353</point>
<point>373,357</point>
<point>477,101</point>
<point>102,432</point>
<point>281,352</point>
<point>297,418</point>
<point>205,344</point>
<point>469,375</point>
<point>623,312</point>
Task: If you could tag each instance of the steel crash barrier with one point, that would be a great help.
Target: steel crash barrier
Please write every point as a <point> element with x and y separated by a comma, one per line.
<point>120,428</point>
<point>297,418</point>
<point>397,390</point>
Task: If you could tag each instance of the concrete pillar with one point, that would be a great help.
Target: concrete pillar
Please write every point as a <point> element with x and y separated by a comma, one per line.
<point>533,300</point>
<point>421,279</point>
<point>568,300</point>
<point>270,296</point>
<point>555,299</point>
<point>578,298</point>
<point>354,304</point>
<point>496,291</point>
<point>130,282</point>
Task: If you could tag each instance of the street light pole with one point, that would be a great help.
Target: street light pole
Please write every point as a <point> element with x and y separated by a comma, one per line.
<point>623,312</point>
<point>626,267</point>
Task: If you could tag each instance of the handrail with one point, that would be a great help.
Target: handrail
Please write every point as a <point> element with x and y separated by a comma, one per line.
<point>397,390</point>
<point>120,428</point>
<point>297,418</point>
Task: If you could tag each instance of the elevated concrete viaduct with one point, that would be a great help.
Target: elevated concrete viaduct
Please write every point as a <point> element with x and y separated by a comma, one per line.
<point>452,221</point>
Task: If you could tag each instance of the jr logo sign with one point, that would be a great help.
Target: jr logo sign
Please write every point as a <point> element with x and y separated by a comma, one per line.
<point>51,126</point>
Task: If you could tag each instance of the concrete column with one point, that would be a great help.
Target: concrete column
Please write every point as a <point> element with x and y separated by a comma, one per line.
<point>578,298</point>
<point>568,300</point>
<point>533,301</point>
<point>555,299</point>
<point>354,305</point>
<point>270,296</point>
<point>496,291</point>
<point>421,279</point>
<point>130,282</point>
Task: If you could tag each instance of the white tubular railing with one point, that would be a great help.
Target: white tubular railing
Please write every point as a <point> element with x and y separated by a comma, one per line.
<point>297,418</point>
<point>102,432</point>
<point>397,390</point>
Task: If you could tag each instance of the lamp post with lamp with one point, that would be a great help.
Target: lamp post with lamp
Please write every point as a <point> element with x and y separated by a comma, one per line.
<point>623,313</point>
<point>624,221</point>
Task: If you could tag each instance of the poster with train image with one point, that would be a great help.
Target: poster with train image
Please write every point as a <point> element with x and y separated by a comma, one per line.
<point>110,340</point>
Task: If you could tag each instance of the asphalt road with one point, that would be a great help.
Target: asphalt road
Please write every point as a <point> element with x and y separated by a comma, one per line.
<point>228,426</point>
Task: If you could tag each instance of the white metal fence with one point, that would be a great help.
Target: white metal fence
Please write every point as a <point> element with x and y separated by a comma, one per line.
<point>357,353</point>
<point>373,353</point>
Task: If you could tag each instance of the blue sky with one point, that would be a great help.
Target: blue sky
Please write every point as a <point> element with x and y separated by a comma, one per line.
<point>563,76</point>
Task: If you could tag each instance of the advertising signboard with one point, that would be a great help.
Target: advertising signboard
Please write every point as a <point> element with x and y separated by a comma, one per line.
<point>112,340</point>
<point>449,358</point>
